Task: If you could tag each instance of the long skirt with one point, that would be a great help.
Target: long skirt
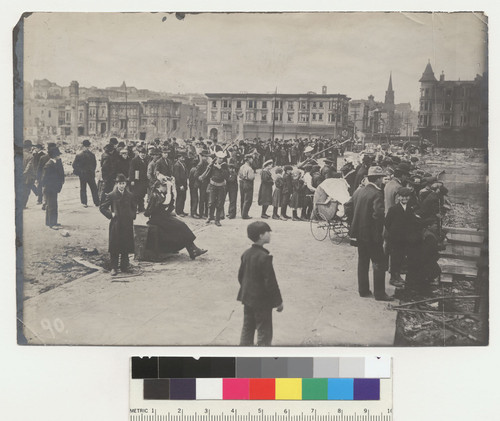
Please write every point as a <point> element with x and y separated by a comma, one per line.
<point>173,234</point>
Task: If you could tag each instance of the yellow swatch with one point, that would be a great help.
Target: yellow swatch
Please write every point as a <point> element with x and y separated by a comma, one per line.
<point>288,389</point>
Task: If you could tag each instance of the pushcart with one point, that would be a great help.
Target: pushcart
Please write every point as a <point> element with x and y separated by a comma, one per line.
<point>325,221</point>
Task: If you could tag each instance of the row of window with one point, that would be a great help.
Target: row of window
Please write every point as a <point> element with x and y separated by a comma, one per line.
<point>447,120</point>
<point>464,91</point>
<point>278,104</point>
<point>252,116</point>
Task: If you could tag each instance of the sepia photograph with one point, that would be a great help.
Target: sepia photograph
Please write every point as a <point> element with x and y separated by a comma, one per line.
<point>252,179</point>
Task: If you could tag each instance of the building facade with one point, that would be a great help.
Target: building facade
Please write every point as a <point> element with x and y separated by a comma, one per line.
<point>231,116</point>
<point>453,113</point>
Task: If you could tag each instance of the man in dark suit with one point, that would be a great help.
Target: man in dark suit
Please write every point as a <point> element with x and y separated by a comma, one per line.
<point>84,167</point>
<point>403,235</point>
<point>52,182</point>
<point>138,177</point>
<point>41,164</point>
<point>163,165</point>
<point>108,169</point>
<point>367,226</point>
<point>181,182</point>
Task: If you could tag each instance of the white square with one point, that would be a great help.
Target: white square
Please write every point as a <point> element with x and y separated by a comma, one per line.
<point>378,367</point>
<point>209,389</point>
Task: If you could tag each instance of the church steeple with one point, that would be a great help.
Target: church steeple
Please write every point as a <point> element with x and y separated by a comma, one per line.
<point>389,94</point>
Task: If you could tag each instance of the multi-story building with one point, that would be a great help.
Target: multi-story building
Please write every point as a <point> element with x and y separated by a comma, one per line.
<point>162,115</point>
<point>125,118</point>
<point>98,116</point>
<point>40,117</point>
<point>453,112</point>
<point>231,115</point>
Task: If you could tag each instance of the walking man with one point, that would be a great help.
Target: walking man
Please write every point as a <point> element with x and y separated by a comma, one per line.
<point>84,167</point>
<point>52,182</point>
<point>181,182</point>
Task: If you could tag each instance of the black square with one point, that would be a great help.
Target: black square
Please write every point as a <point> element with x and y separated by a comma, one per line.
<point>144,367</point>
<point>223,367</point>
<point>171,367</point>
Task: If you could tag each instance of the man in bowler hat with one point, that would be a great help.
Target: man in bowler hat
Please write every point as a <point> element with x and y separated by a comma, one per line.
<point>84,167</point>
<point>52,182</point>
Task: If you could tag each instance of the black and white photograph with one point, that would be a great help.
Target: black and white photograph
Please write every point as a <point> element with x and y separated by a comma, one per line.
<point>252,179</point>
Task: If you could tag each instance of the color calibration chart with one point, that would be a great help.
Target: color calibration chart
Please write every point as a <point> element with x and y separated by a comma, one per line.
<point>261,389</point>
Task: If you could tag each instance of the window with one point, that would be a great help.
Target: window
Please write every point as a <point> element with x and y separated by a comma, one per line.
<point>290,117</point>
<point>226,116</point>
<point>238,105</point>
<point>251,117</point>
<point>320,104</point>
<point>447,106</point>
<point>314,114</point>
<point>278,117</point>
<point>320,117</point>
<point>50,114</point>
<point>331,118</point>
<point>174,124</point>
<point>304,118</point>
<point>314,105</point>
<point>103,112</point>
<point>214,104</point>
<point>214,115</point>
<point>226,104</point>
<point>278,104</point>
<point>252,104</point>
<point>426,92</point>
<point>447,120</point>
<point>264,104</point>
<point>290,105</point>
<point>263,117</point>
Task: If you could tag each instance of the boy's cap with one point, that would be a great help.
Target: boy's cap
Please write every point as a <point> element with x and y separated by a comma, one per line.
<point>120,178</point>
<point>255,229</point>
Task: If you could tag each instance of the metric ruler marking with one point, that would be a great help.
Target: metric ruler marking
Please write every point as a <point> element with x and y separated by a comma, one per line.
<point>352,416</point>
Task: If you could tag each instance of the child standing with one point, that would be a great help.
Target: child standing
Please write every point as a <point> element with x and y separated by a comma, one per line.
<point>259,291</point>
<point>119,207</point>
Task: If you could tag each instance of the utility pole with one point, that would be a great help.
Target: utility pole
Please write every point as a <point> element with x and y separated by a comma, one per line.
<point>126,111</point>
<point>274,111</point>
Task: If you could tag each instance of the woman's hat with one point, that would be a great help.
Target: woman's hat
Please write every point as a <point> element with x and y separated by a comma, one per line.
<point>220,154</point>
<point>268,162</point>
<point>53,152</point>
<point>86,143</point>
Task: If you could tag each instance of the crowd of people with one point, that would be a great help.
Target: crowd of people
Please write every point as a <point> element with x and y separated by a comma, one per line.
<point>395,209</point>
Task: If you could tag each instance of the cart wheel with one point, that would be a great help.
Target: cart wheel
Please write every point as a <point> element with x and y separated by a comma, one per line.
<point>319,228</point>
<point>339,231</point>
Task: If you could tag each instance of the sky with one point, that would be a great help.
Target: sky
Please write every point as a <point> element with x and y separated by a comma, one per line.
<point>350,53</point>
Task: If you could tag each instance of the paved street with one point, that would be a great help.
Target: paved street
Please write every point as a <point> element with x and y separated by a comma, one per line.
<point>184,302</point>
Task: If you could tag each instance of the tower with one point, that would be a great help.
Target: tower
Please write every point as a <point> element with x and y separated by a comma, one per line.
<point>428,84</point>
<point>73,95</point>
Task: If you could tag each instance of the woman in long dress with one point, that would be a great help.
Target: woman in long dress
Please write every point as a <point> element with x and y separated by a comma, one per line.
<point>173,234</point>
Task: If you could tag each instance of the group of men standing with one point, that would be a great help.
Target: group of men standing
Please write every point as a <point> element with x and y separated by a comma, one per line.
<point>43,174</point>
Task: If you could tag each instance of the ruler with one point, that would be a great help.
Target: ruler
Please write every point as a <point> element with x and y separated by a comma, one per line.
<point>286,410</point>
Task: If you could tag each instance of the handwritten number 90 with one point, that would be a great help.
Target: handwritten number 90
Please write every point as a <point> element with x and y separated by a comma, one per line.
<point>57,326</point>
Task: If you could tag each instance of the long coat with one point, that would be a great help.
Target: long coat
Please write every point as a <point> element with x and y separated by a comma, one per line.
<point>266,188</point>
<point>85,164</point>
<point>296,201</point>
<point>258,285</point>
<point>53,176</point>
<point>174,234</point>
<point>138,171</point>
<point>287,189</point>
<point>390,193</point>
<point>277,193</point>
<point>402,225</point>
<point>180,175</point>
<point>121,225</point>
<point>368,214</point>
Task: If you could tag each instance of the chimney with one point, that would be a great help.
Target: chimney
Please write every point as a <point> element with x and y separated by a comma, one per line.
<point>323,89</point>
<point>441,76</point>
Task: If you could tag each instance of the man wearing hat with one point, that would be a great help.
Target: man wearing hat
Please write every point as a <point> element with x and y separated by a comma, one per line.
<point>154,155</point>
<point>246,175</point>
<point>217,174</point>
<point>181,181</point>
<point>37,156</point>
<point>84,167</point>
<point>266,188</point>
<point>404,236</point>
<point>202,183</point>
<point>366,227</point>
<point>29,175</point>
<point>109,161</point>
<point>327,169</point>
<point>41,164</point>
<point>362,170</point>
<point>163,165</point>
<point>401,175</point>
<point>138,177</point>
<point>52,182</point>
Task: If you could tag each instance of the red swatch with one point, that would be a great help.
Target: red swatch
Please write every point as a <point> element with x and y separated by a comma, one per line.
<point>262,389</point>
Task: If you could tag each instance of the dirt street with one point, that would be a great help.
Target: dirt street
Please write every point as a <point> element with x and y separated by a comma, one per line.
<point>184,302</point>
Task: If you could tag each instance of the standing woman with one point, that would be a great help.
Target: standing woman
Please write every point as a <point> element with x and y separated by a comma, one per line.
<point>174,235</point>
<point>266,188</point>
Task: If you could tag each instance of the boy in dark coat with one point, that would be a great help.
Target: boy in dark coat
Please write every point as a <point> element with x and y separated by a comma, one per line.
<point>259,291</point>
<point>119,207</point>
<point>287,191</point>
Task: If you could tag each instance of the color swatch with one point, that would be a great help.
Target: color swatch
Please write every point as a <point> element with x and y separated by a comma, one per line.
<point>183,378</point>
